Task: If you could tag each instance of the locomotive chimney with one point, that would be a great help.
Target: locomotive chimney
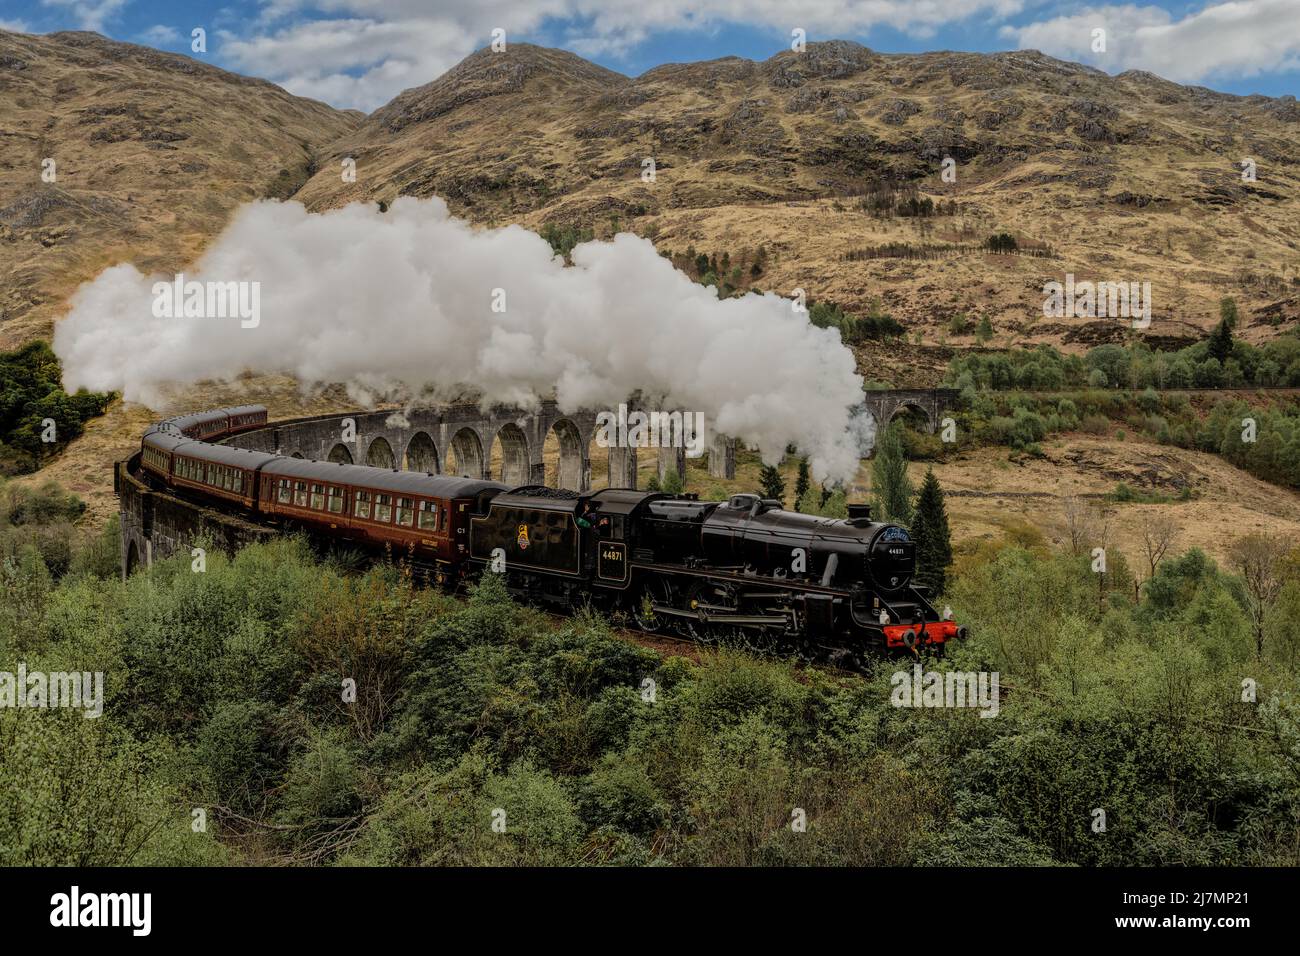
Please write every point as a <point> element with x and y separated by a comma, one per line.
<point>860,515</point>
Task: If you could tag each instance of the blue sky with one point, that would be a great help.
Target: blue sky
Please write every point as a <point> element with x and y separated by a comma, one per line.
<point>360,53</point>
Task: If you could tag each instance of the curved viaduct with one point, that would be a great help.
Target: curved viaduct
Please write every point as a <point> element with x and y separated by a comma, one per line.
<point>450,439</point>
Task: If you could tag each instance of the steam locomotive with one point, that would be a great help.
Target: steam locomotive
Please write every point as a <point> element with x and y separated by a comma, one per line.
<point>743,568</point>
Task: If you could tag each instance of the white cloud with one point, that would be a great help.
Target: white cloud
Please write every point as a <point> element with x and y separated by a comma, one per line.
<point>159,34</point>
<point>371,50</point>
<point>88,14</point>
<point>1241,38</point>
<point>14,26</point>
<point>353,63</point>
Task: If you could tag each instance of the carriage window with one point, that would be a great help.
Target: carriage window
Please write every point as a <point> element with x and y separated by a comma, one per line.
<point>239,480</point>
<point>285,494</point>
<point>300,494</point>
<point>336,500</point>
<point>362,509</point>
<point>383,508</point>
<point>428,516</point>
<point>405,511</point>
<point>317,496</point>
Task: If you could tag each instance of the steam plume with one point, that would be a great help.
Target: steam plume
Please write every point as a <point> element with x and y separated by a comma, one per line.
<point>399,306</point>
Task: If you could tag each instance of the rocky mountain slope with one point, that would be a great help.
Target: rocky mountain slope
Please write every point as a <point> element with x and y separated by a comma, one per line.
<point>1127,178</point>
<point>152,152</point>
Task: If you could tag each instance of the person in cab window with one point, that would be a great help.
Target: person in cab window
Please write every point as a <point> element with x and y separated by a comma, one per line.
<point>588,518</point>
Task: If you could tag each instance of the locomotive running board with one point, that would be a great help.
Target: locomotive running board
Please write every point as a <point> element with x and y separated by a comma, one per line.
<point>755,619</point>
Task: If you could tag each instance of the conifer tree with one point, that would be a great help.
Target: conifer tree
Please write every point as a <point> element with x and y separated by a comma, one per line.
<point>773,484</point>
<point>1220,346</point>
<point>930,532</point>
<point>801,483</point>
<point>890,486</point>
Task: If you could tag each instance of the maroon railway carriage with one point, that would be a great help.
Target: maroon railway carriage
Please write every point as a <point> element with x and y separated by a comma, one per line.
<point>218,423</point>
<point>219,470</point>
<point>413,512</point>
<point>156,449</point>
<point>215,470</point>
<point>245,417</point>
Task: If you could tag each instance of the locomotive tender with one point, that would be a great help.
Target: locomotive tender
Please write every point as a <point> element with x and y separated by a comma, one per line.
<point>742,568</point>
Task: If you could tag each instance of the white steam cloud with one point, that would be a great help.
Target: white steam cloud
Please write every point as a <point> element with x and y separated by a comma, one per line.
<point>399,305</point>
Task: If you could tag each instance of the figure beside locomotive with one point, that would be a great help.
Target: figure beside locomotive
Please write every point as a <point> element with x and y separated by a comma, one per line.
<point>742,567</point>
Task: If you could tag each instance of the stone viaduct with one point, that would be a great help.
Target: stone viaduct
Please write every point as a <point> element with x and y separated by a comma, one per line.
<point>504,444</point>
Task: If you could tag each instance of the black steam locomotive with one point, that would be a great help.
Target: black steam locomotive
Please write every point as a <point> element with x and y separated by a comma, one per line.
<point>743,568</point>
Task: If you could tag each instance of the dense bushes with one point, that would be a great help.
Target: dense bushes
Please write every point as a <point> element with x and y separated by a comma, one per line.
<point>1134,366</point>
<point>855,329</point>
<point>484,733</point>
<point>31,395</point>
